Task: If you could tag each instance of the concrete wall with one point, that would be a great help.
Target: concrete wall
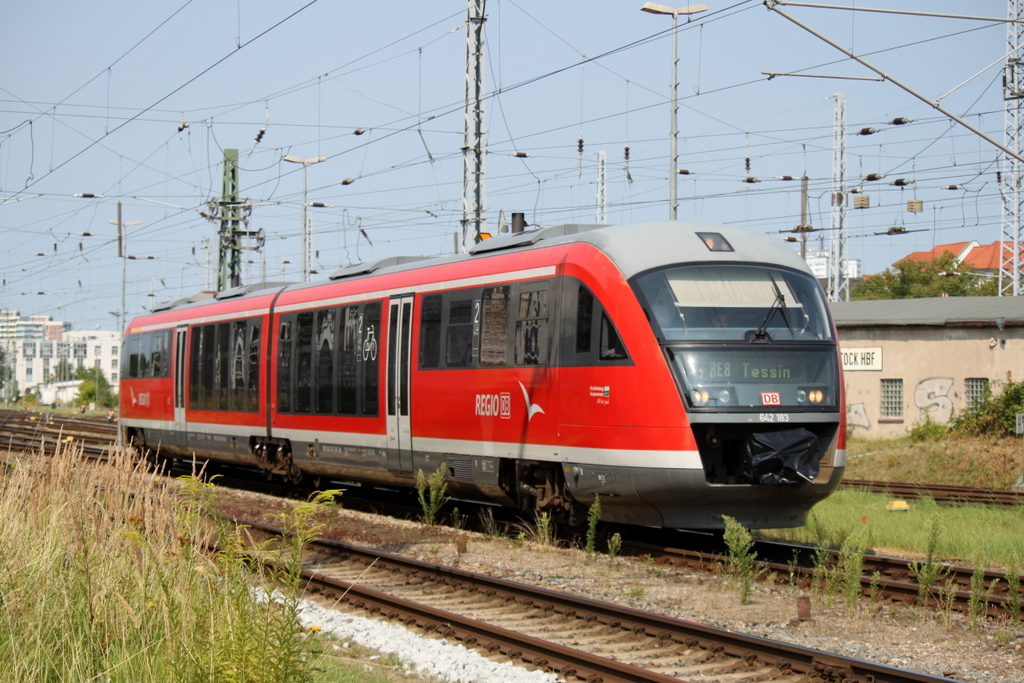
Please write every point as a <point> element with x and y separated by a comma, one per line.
<point>934,364</point>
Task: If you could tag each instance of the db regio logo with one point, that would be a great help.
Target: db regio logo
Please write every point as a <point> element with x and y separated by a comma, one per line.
<point>494,405</point>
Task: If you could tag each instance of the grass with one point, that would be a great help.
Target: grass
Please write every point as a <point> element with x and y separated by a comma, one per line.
<point>953,460</point>
<point>105,575</point>
<point>967,531</point>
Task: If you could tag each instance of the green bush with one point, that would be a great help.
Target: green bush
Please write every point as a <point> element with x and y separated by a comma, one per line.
<point>994,413</point>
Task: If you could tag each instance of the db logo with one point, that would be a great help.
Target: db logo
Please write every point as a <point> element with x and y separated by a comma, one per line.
<point>771,398</point>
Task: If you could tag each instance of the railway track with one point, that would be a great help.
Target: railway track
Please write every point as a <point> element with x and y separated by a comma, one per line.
<point>883,578</point>
<point>950,495</point>
<point>575,637</point>
<point>24,430</point>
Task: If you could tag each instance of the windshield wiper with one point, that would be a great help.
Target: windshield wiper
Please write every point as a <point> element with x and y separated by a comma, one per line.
<point>761,333</point>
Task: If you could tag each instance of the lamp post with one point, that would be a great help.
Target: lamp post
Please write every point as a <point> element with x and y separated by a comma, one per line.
<point>655,8</point>
<point>305,214</point>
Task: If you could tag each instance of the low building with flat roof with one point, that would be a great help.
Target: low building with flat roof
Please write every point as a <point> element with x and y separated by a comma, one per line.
<point>906,361</point>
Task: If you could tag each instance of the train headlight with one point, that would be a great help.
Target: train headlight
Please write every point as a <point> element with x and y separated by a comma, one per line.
<point>700,397</point>
<point>809,395</point>
<point>724,396</point>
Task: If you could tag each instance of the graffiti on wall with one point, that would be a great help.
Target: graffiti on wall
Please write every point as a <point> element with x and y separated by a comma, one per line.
<point>932,399</point>
<point>857,416</point>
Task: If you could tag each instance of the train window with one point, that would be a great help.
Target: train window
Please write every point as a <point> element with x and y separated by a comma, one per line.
<point>430,331</point>
<point>531,342</point>
<point>494,336</point>
<point>238,397</point>
<point>735,303</point>
<point>459,342</point>
<point>325,360</point>
<point>611,346</point>
<point>584,319</point>
<point>403,408</point>
<point>304,362</point>
<point>392,350</point>
<point>371,380</point>
<point>145,342</point>
<point>348,366</point>
<point>207,367</point>
<point>194,356</point>
<point>222,362</point>
<point>158,354</point>
<point>284,367</point>
<point>254,366</point>
<point>132,349</point>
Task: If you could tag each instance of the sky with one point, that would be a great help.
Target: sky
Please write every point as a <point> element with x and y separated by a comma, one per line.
<point>135,102</point>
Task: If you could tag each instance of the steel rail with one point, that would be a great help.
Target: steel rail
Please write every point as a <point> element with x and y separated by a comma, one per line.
<point>787,658</point>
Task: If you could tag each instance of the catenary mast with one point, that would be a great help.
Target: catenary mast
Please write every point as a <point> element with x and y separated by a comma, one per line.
<point>474,146</point>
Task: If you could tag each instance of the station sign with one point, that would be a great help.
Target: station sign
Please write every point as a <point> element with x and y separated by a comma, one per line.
<point>861,359</point>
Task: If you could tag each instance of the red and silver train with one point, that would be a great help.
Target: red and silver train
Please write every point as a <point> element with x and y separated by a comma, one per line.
<point>681,371</point>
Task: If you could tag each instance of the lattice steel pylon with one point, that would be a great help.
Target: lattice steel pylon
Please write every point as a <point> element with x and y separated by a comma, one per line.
<point>474,145</point>
<point>601,205</point>
<point>1010,186</point>
<point>838,283</point>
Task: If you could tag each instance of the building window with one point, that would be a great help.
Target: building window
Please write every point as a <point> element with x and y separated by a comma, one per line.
<point>113,377</point>
<point>28,375</point>
<point>98,351</point>
<point>975,389</point>
<point>113,363</point>
<point>113,350</point>
<point>892,399</point>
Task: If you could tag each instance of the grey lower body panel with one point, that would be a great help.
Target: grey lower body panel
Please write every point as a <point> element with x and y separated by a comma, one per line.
<point>682,498</point>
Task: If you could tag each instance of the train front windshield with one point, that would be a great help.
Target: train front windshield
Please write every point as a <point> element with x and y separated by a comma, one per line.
<point>744,337</point>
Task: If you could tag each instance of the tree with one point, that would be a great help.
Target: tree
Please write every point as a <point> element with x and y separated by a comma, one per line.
<point>910,279</point>
<point>62,371</point>
<point>94,388</point>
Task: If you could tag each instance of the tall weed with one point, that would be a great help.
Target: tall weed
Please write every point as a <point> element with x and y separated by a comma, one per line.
<point>100,584</point>
<point>431,492</point>
<point>929,572</point>
<point>742,559</point>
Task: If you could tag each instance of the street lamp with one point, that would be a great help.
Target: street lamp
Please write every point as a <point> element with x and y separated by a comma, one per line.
<point>305,214</point>
<point>655,8</point>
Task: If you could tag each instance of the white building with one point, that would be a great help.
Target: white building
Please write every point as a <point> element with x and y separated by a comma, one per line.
<point>38,344</point>
<point>818,262</point>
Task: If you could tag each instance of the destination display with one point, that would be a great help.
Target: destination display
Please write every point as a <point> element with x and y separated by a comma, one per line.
<point>759,376</point>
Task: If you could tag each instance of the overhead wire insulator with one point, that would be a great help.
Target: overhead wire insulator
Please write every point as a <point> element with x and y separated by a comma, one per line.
<point>259,136</point>
<point>874,176</point>
<point>867,131</point>
<point>348,181</point>
<point>625,153</point>
<point>900,121</point>
<point>521,155</point>
<point>952,187</point>
<point>685,171</point>
<point>750,179</point>
<point>902,182</point>
<point>747,165</point>
<point>579,146</point>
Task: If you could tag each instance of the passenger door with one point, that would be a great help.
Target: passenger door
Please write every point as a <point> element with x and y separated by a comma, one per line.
<point>178,372</point>
<point>398,389</point>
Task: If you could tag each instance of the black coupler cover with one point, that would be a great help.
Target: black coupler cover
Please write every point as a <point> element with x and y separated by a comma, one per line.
<point>785,458</point>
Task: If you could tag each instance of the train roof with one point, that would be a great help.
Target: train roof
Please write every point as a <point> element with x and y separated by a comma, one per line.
<point>633,247</point>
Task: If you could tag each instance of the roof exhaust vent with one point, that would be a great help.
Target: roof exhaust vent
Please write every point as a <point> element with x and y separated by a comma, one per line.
<point>518,222</point>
